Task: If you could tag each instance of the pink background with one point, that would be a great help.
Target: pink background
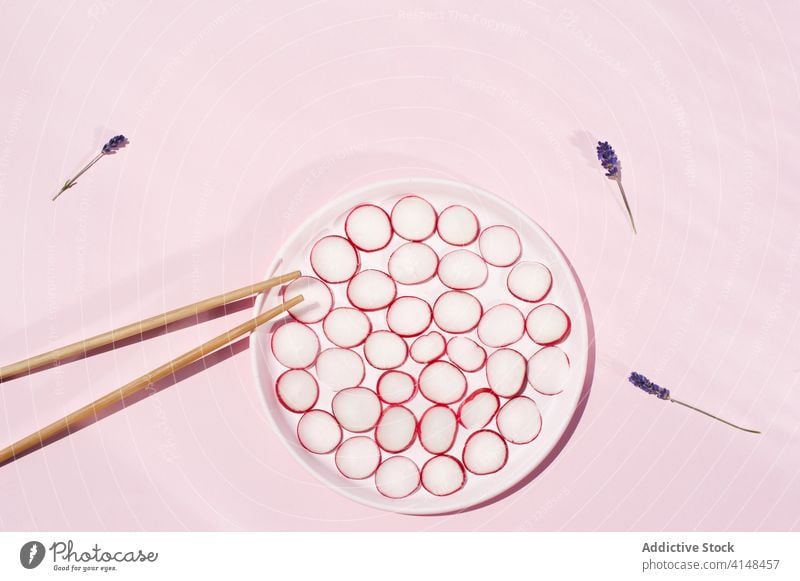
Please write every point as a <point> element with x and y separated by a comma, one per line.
<point>244,117</point>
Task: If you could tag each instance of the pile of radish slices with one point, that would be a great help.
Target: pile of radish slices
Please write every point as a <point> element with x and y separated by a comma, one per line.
<point>401,365</point>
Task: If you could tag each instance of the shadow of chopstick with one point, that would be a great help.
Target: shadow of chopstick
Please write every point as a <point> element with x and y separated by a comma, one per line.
<point>232,307</point>
<point>190,370</point>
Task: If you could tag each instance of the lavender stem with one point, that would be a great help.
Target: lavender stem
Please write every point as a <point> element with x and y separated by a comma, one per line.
<point>691,407</point>
<point>69,183</point>
<point>114,144</point>
<point>625,199</point>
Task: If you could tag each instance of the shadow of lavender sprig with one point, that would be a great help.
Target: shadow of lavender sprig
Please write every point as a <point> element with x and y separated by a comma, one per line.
<point>110,148</point>
<point>610,162</point>
<point>648,386</point>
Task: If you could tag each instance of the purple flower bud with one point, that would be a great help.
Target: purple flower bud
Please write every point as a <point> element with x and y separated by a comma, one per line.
<point>648,386</point>
<point>114,144</point>
<point>608,159</point>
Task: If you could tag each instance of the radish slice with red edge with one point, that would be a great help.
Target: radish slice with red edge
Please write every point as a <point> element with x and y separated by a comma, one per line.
<point>478,409</point>
<point>371,290</point>
<point>339,368</point>
<point>409,316</point>
<point>442,382</point>
<point>443,475</point>
<point>357,409</point>
<point>500,245</point>
<point>462,270</point>
<point>458,226</point>
<point>548,370</point>
<point>319,432</point>
<point>317,299</point>
<point>500,326</point>
<point>519,420</point>
<point>485,452</point>
<point>334,259</point>
<point>297,390</point>
<point>529,281</point>
<point>413,263</point>
<point>397,477</point>
<point>466,354</point>
<point>346,327</point>
<point>294,345</point>
<point>457,312</point>
<point>505,372</point>
<point>413,218</point>
<point>396,387</point>
<point>428,347</point>
<point>358,457</point>
<point>385,350</point>
<point>437,429</point>
<point>368,227</point>
<point>547,324</point>
<point>396,429</point>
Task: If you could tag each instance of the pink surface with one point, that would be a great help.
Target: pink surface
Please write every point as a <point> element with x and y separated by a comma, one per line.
<point>245,118</point>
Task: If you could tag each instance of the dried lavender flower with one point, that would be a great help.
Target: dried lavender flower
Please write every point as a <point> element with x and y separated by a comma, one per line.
<point>112,146</point>
<point>648,386</point>
<point>610,162</point>
<point>608,159</point>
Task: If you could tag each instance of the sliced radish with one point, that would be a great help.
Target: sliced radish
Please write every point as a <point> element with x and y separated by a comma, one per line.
<point>505,372</point>
<point>396,387</point>
<point>294,345</point>
<point>413,218</point>
<point>437,429</point>
<point>317,299</point>
<point>319,432</point>
<point>334,259</point>
<point>428,347</point>
<point>548,370</point>
<point>371,290</point>
<point>368,227</point>
<point>462,270</point>
<point>409,316</point>
<point>500,245</point>
<point>358,457</point>
<point>413,263</point>
<point>457,312</point>
<point>339,368</point>
<point>442,382</point>
<point>485,452</point>
<point>478,409</point>
<point>519,420</point>
<point>397,477</point>
<point>500,326</point>
<point>530,281</point>
<point>385,350</point>
<point>458,226</point>
<point>466,353</point>
<point>443,475</point>
<point>346,327</point>
<point>357,409</point>
<point>547,324</point>
<point>396,429</point>
<point>297,390</point>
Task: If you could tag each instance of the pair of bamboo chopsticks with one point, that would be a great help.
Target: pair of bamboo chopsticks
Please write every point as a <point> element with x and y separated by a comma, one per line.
<point>91,410</point>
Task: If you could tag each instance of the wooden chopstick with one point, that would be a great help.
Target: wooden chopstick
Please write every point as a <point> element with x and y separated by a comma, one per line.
<point>91,410</point>
<point>111,337</point>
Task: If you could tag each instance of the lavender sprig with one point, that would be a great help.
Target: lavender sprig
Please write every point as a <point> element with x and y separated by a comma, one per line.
<point>648,386</point>
<point>112,146</point>
<point>610,162</point>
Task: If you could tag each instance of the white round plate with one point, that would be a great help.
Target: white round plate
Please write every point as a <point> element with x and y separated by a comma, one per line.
<point>556,410</point>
